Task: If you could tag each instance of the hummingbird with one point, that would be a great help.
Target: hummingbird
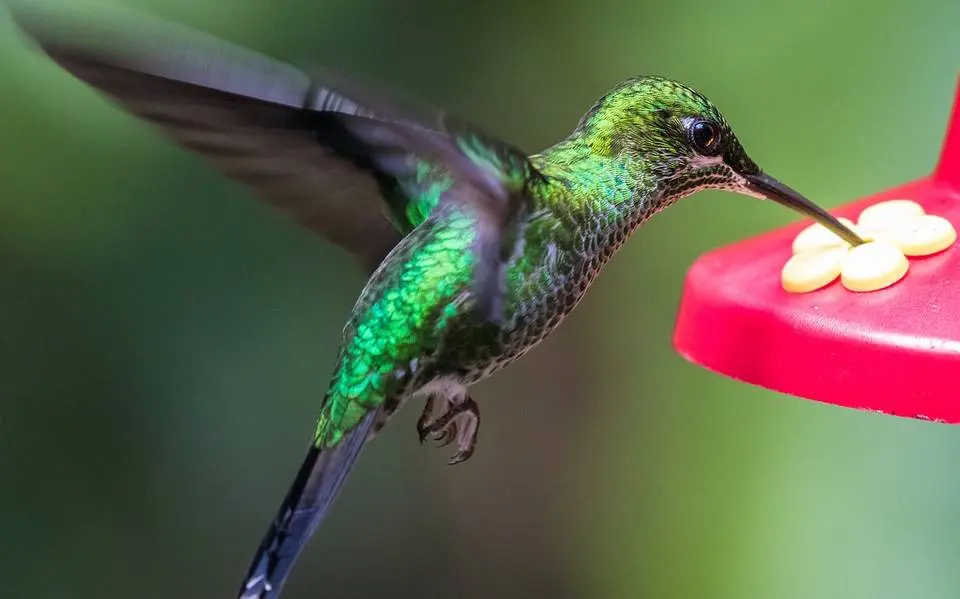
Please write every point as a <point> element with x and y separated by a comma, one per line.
<point>475,250</point>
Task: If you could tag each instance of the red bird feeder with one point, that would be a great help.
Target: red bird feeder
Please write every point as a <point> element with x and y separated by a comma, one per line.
<point>894,351</point>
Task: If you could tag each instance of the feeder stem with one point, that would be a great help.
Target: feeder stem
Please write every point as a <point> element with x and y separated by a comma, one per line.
<point>948,168</point>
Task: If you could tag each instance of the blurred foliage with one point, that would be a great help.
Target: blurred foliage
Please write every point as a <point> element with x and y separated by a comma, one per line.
<point>166,337</point>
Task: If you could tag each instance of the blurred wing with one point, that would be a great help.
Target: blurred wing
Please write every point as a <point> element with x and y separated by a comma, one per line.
<point>492,179</point>
<point>346,165</point>
<point>261,122</point>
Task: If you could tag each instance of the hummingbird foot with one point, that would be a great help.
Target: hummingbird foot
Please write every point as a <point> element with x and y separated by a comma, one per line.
<point>460,422</point>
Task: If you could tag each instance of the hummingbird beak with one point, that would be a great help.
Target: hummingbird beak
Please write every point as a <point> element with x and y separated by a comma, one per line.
<point>766,186</point>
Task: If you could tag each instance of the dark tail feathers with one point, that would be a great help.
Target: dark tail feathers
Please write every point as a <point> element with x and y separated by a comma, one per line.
<point>321,476</point>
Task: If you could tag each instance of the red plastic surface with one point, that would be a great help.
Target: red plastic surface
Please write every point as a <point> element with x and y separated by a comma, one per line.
<point>895,351</point>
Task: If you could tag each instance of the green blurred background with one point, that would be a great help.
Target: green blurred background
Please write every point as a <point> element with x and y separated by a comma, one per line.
<point>164,337</point>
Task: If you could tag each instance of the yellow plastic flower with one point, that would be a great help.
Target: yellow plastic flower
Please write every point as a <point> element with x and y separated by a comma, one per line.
<point>893,230</point>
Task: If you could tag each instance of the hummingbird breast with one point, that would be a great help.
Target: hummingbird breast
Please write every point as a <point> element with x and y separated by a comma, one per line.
<point>557,260</point>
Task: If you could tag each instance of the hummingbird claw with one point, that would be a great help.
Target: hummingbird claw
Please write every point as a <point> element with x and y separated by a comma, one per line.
<point>426,420</point>
<point>461,456</point>
<point>447,435</point>
<point>460,422</point>
<point>436,429</point>
<point>467,436</point>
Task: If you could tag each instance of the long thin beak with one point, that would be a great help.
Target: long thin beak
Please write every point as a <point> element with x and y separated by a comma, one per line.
<point>772,189</point>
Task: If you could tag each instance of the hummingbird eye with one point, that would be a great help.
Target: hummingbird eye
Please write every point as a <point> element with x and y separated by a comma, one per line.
<point>705,137</point>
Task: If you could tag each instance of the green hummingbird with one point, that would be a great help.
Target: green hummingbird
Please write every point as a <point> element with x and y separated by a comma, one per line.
<point>475,250</point>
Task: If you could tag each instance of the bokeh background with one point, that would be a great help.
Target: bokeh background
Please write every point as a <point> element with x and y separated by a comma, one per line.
<point>164,337</point>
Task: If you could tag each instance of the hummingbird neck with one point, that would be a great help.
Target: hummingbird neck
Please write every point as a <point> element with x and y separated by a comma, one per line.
<point>615,191</point>
<point>586,207</point>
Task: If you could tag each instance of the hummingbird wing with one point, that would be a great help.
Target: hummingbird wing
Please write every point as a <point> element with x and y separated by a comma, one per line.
<point>492,178</point>
<point>349,167</point>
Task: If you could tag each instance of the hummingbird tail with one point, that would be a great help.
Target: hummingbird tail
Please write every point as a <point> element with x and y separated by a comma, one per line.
<point>317,485</point>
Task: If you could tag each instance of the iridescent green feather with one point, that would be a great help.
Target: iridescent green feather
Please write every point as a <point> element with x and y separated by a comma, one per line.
<point>402,314</point>
<point>423,182</point>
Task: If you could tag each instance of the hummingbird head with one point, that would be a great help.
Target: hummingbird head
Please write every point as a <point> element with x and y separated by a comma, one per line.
<point>684,142</point>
